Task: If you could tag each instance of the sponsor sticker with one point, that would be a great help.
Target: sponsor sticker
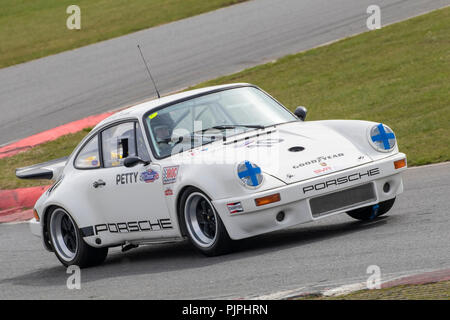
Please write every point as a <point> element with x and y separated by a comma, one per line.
<point>318,160</point>
<point>235,207</point>
<point>153,115</point>
<point>149,176</point>
<point>170,174</point>
<point>259,143</point>
<point>244,144</point>
<point>168,192</point>
<point>266,143</point>
<point>321,170</point>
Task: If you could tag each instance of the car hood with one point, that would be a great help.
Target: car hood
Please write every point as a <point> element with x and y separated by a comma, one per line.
<point>291,152</point>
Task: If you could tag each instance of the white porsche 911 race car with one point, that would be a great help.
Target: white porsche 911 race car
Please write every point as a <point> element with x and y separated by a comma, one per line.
<point>214,165</point>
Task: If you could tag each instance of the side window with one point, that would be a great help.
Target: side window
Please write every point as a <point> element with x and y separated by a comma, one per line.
<point>118,143</point>
<point>141,148</point>
<point>89,157</point>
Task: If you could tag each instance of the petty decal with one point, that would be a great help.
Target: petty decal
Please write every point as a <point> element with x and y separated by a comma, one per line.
<point>318,160</point>
<point>126,178</point>
<point>168,192</point>
<point>341,180</point>
<point>149,176</point>
<point>170,174</point>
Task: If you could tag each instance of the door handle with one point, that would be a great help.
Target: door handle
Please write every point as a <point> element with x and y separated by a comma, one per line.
<point>99,183</point>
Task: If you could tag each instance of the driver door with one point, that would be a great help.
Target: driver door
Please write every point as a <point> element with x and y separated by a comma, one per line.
<point>130,199</point>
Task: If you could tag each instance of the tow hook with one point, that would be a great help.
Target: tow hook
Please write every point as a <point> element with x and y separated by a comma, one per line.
<point>374,211</point>
<point>128,247</point>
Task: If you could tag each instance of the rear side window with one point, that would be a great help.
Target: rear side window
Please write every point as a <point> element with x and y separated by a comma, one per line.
<point>89,156</point>
<point>118,143</point>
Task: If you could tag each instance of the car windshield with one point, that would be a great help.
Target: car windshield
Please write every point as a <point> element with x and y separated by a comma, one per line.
<point>198,121</point>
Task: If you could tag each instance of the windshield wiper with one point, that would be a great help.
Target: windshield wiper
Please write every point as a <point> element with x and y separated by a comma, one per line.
<point>233,126</point>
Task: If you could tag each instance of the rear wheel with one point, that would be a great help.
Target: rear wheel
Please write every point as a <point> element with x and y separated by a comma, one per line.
<point>368,213</point>
<point>202,224</point>
<point>68,243</point>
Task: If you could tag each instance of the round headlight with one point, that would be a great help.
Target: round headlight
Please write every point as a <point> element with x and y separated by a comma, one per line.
<point>382,138</point>
<point>250,174</point>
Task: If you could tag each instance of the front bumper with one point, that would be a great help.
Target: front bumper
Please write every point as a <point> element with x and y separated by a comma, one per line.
<point>295,198</point>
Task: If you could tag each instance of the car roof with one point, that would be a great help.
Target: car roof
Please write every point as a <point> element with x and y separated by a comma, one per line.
<point>138,110</point>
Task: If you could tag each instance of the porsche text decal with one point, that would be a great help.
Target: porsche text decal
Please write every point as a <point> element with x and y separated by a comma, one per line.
<point>341,180</point>
<point>134,226</point>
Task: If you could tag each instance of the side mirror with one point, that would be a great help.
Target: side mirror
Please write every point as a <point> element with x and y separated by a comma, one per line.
<point>301,112</point>
<point>133,160</point>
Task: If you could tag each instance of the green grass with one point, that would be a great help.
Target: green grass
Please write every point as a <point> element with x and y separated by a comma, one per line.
<point>31,29</point>
<point>430,291</point>
<point>58,148</point>
<point>398,75</point>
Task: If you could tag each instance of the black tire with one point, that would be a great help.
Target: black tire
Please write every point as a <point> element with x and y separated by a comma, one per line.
<point>220,243</point>
<point>366,213</point>
<point>78,253</point>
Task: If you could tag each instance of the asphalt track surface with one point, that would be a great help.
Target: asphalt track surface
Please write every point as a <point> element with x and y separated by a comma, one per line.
<point>55,90</point>
<point>413,236</point>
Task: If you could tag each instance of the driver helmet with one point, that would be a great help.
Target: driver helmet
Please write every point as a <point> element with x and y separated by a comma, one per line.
<point>162,127</point>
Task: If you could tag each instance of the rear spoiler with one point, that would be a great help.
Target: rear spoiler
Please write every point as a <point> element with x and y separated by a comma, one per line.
<point>47,170</point>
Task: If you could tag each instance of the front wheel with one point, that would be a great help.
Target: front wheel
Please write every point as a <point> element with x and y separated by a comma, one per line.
<point>202,224</point>
<point>368,213</point>
<point>68,243</point>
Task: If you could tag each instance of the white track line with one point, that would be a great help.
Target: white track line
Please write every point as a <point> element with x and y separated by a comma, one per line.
<point>323,289</point>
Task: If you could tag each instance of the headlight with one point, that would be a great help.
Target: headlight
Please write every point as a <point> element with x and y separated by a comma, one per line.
<point>250,174</point>
<point>382,138</point>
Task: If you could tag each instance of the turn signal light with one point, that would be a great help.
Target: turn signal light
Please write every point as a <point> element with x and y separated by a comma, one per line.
<point>36,214</point>
<point>400,164</point>
<point>268,199</point>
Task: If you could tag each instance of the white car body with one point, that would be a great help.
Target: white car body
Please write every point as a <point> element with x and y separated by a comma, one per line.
<point>337,156</point>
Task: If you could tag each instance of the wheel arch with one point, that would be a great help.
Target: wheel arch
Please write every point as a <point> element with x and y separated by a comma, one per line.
<point>45,216</point>
<point>45,233</point>
<point>178,208</point>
